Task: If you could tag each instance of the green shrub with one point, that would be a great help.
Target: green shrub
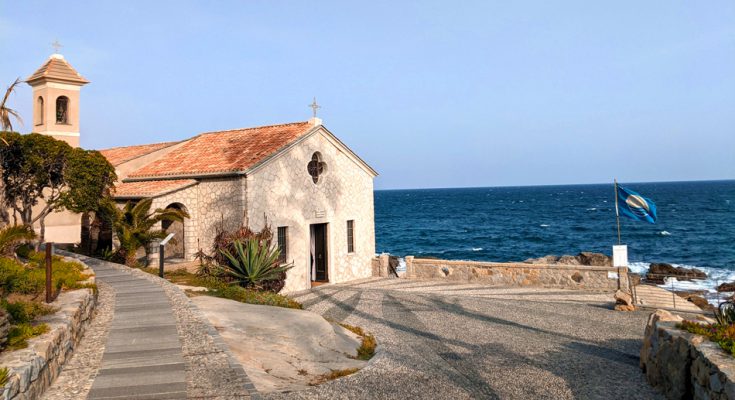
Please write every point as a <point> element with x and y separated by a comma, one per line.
<point>19,335</point>
<point>30,279</point>
<point>724,335</point>
<point>25,311</point>
<point>251,296</point>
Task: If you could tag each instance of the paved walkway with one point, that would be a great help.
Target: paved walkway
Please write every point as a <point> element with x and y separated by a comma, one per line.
<point>148,341</point>
<point>466,341</point>
<point>143,356</point>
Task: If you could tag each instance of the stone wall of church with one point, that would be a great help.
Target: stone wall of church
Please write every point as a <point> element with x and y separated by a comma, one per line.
<point>220,205</point>
<point>283,192</point>
<point>189,198</point>
<point>211,203</point>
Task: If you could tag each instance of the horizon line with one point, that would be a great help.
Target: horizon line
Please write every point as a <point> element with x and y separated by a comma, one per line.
<point>556,184</point>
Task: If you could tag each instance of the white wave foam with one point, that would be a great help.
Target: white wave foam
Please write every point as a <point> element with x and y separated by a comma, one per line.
<point>477,249</point>
<point>544,225</point>
<point>664,233</point>
<point>592,209</point>
<point>715,277</point>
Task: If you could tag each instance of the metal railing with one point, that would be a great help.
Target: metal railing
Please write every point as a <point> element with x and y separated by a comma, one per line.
<point>676,293</point>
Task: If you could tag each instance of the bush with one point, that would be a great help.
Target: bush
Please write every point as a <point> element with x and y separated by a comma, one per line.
<point>724,335</point>
<point>19,335</point>
<point>25,311</point>
<point>251,296</point>
<point>30,279</point>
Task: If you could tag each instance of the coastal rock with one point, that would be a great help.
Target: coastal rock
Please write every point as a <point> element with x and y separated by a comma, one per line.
<point>726,287</point>
<point>583,258</point>
<point>658,272</point>
<point>623,301</point>
<point>596,259</point>
<point>550,259</point>
<point>698,300</point>
<point>635,279</point>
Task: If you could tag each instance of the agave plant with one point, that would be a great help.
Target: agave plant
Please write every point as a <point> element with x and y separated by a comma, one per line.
<point>725,313</point>
<point>133,226</point>
<point>12,236</point>
<point>255,263</point>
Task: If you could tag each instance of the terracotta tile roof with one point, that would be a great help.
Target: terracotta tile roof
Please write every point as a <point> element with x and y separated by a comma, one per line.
<point>225,151</point>
<point>57,69</point>
<point>119,155</point>
<point>143,189</point>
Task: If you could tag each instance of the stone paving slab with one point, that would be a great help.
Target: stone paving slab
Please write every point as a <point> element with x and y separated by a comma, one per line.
<point>142,327</point>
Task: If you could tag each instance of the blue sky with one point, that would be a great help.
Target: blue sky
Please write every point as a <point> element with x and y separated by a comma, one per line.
<point>432,94</point>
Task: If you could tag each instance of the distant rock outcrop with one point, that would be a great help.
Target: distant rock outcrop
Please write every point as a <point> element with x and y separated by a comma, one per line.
<point>583,258</point>
<point>726,287</point>
<point>658,272</point>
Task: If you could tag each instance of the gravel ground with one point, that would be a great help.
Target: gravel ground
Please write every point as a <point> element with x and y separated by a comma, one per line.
<point>464,341</point>
<point>79,372</point>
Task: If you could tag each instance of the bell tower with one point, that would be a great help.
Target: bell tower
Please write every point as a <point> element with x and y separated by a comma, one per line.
<point>56,86</point>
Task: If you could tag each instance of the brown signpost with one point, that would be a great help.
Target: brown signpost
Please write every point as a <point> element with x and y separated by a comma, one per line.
<point>49,297</point>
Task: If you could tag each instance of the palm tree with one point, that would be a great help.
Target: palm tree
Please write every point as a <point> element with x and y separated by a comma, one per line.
<point>134,226</point>
<point>7,112</point>
<point>12,236</point>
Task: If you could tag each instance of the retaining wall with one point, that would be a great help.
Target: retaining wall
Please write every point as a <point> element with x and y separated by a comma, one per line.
<point>519,274</point>
<point>683,365</point>
<point>33,369</point>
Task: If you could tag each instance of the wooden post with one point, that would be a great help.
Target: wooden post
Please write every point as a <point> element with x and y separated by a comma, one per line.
<point>160,260</point>
<point>49,298</point>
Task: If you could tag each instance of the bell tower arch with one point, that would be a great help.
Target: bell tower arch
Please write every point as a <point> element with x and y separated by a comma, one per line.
<point>56,86</point>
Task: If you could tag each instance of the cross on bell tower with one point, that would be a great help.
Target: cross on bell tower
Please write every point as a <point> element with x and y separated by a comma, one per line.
<point>56,45</point>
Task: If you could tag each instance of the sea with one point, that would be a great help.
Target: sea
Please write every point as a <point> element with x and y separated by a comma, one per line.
<point>695,227</point>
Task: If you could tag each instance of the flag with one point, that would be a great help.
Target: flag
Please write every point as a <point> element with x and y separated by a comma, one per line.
<point>635,206</point>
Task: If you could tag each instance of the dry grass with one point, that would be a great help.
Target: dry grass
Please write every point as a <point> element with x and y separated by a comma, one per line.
<point>366,350</point>
<point>334,374</point>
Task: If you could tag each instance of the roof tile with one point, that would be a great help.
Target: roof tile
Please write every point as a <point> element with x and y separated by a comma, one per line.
<point>224,151</point>
<point>154,188</point>
<point>56,68</point>
<point>119,155</point>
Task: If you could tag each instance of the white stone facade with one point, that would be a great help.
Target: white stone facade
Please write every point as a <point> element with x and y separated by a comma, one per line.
<point>283,191</point>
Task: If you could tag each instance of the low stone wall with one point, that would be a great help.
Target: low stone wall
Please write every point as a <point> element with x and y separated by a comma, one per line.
<point>683,365</point>
<point>33,369</point>
<point>519,274</point>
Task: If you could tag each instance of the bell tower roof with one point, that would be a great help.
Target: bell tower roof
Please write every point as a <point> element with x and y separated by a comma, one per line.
<point>56,69</point>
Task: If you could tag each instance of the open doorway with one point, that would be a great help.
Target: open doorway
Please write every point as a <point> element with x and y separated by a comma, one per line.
<point>319,257</point>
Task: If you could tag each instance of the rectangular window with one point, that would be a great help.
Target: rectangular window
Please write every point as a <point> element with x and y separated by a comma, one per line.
<point>283,243</point>
<point>351,236</point>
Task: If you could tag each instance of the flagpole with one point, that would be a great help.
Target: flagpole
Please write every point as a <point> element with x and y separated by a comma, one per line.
<point>617,212</point>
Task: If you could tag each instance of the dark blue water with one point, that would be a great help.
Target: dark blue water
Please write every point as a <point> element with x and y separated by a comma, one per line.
<point>696,223</point>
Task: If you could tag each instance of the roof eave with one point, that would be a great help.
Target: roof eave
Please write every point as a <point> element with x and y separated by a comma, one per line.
<point>183,176</point>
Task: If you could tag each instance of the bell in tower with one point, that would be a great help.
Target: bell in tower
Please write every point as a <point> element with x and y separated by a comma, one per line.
<point>56,87</point>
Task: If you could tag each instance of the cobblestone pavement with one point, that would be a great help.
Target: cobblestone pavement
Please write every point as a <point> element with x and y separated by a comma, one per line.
<point>466,341</point>
<point>158,345</point>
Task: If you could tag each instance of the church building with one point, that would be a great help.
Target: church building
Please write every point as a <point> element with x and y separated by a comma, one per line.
<point>298,177</point>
